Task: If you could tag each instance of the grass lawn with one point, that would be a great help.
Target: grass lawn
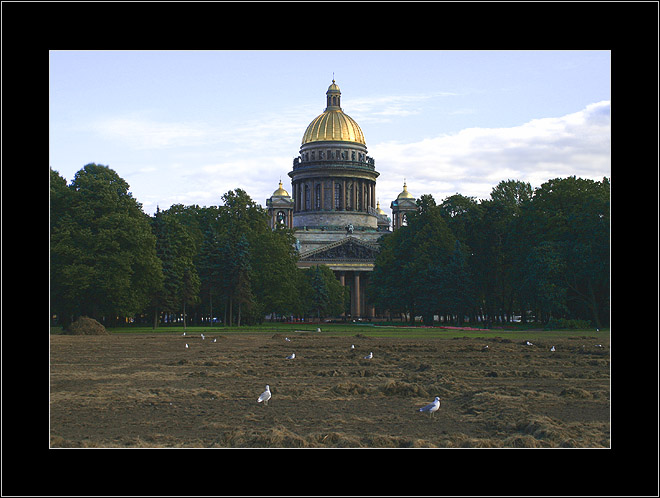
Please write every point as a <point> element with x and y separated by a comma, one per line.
<point>367,330</point>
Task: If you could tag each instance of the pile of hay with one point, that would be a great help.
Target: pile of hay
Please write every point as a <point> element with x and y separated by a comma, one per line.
<point>86,326</point>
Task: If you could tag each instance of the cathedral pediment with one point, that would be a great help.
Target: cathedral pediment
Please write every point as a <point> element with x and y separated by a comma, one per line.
<point>347,249</point>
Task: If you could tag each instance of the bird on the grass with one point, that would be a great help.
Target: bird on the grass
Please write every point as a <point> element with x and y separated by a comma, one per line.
<point>183,334</point>
<point>287,339</point>
<point>369,356</point>
<point>215,340</point>
<point>352,346</point>
<point>202,337</point>
<point>529,343</point>
<point>291,356</point>
<point>265,396</point>
<point>186,346</point>
<point>431,407</point>
<point>552,348</point>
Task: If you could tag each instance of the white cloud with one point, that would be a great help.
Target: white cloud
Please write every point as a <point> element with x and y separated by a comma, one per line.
<point>383,109</point>
<point>143,133</point>
<point>475,160</point>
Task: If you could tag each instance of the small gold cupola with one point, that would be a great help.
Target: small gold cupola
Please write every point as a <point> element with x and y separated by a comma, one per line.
<point>280,192</point>
<point>405,194</point>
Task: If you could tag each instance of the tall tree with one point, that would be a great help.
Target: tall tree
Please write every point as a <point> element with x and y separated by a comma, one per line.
<point>176,250</point>
<point>326,295</point>
<point>103,254</point>
<point>574,213</point>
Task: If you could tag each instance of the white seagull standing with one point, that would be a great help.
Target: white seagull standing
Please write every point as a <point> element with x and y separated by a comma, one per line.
<point>352,346</point>
<point>202,337</point>
<point>287,339</point>
<point>552,348</point>
<point>265,396</point>
<point>186,346</point>
<point>529,343</point>
<point>369,356</point>
<point>215,340</point>
<point>291,356</point>
<point>431,407</point>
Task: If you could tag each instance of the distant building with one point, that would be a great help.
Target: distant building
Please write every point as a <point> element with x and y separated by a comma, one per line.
<point>333,209</point>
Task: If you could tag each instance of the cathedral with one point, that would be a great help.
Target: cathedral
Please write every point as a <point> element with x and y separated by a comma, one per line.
<point>333,207</point>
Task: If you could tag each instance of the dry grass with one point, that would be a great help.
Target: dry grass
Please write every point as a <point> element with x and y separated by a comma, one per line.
<point>144,391</point>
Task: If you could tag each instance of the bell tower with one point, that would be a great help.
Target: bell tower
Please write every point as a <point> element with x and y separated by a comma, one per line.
<point>404,204</point>
<point>280,209</point>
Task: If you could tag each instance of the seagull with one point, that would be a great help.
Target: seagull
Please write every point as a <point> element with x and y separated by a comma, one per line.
<point>369,356</point>
<point>183,334</point>
<point>485,348</point>
<point>186,346</point>
<point>529,343</point>
<point>352,346</point>
<point>431,407</point>
<point>291,356</point>
<point>287,339</point>
<point>552,348</point>
<point>265,396</point>
<point>202,337</point>
<point>215,340</point>
<point>599,345</point>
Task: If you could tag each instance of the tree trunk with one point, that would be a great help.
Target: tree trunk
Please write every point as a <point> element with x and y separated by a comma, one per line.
<point>211,306</point>
<point>593,304</point>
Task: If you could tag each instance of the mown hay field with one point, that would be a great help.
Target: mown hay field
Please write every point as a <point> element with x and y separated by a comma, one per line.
<point>148,390</point>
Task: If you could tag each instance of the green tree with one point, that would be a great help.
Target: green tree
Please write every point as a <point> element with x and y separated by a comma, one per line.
<point>326,294</point>
<point>103,254</point>
<point>176,249</point>
<point>453,285</point>
<point>274,272</point>
<point>402,277</point>
<point>574,213</point>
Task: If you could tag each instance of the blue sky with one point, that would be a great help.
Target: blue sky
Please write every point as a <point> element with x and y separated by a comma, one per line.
<point>187,126</point>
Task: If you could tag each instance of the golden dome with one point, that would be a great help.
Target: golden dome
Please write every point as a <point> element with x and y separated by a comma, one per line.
<point>379,210</point>
<point>405,194</point>
<point>333,125</point>
<point>280,192</point>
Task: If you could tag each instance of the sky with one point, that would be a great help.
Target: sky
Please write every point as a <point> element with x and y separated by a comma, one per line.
<point>185,127</point>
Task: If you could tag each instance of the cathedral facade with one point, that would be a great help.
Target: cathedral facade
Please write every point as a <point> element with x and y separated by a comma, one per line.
<point>333,206</point>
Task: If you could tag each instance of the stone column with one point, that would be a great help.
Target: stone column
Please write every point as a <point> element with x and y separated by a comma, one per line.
<point>356,291</point>
<point>295,197</point>
<point>343,195</point>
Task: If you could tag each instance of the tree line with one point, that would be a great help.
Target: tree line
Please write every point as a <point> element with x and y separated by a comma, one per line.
<point>539,254</point>
<point>111,261</point>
